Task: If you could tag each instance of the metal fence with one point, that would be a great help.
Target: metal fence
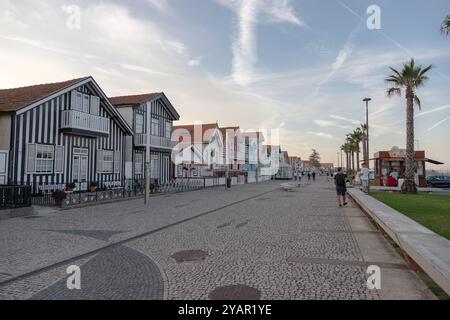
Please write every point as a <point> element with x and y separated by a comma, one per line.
<point>130,189</point>
<point>126,189</point>
<point>12,197</point>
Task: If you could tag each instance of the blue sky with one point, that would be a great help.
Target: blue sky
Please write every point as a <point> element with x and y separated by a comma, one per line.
<point>302,66</point>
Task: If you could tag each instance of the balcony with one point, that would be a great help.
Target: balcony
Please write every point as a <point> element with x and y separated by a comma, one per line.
<point>140,140</point>
<point>76,120</point>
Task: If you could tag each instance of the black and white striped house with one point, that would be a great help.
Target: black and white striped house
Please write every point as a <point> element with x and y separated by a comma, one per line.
<point>159,129</point>
<point>59,133</point>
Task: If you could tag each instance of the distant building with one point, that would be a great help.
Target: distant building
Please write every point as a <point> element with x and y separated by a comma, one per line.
<point>198,151</point>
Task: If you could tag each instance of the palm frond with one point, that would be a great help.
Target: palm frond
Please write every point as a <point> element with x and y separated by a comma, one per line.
<point>445,27</point>
<point>417,102</point>
<point>394,91</point>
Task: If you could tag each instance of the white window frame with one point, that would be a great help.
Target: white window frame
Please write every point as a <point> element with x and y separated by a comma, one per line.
<point>4,174</point>
<point>155,127</point>
<point>95,106</point>
<point>43,158</point>
<point>86,102</point>
<point>139,125</point>
<point>108,165</point>
<point>138,163</point>
<point>77,101</point>
<point>168,129</point>
<point>154,167</point>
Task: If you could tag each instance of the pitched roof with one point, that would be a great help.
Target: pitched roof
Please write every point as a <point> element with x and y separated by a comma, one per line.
<point>18,98</point>
<point>207,131</point>
<point>133,99</point>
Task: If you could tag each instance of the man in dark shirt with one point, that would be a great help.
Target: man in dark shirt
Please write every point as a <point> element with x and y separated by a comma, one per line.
<point>341,186</point>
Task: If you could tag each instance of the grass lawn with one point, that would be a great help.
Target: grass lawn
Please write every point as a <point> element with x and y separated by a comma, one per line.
<point>432,211</point>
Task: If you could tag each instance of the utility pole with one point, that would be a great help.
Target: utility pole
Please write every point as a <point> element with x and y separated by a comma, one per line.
<point>367,161</point>
<point>147,153</point>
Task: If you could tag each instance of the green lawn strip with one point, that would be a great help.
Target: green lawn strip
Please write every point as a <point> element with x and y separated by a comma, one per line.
<point>432,211</point>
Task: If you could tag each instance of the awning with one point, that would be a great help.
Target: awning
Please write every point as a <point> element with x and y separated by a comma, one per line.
<point>433,161</point>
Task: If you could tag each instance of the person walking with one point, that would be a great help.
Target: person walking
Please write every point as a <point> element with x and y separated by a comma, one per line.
<point>314,176</point>
<point>364,177</point>
<point>309,176</point>
<point>340,179</point>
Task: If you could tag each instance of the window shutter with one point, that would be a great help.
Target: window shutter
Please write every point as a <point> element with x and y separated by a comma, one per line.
<point>31,158</point>
<point>100,159</point>
<point>117,161</point>
<point>73,103</point>
<point>59,159</point>
<point>95,105</point>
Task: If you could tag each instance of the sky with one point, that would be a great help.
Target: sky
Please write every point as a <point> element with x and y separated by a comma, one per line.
<point>299,66</point>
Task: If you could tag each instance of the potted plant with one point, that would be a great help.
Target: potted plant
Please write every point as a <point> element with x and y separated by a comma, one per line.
<point>93,186</point>
<point>71,187</point>
<point>59,197</point>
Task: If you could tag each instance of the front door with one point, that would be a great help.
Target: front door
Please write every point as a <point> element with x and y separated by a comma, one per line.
<point>3,167</point>
<point>80,165</point>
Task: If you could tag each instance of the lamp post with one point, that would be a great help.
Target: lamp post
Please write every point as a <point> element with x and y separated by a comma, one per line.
<point>367,100</point>
<point>148,160</point>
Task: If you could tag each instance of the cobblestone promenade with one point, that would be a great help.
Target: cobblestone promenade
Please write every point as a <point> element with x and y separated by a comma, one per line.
<point>252,242</point>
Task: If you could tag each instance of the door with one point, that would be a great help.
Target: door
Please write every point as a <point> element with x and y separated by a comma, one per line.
<point>80,168</point>
<point>3,167</point>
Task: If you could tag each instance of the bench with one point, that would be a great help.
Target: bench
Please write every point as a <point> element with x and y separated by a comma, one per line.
<point>428,250</point>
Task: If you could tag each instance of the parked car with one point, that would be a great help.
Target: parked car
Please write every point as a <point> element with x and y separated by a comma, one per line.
<point>438,182</point>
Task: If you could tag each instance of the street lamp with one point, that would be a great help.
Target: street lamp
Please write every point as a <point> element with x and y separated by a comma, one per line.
<point>367,100</point>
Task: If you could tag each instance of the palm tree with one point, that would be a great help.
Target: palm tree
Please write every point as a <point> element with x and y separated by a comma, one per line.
<point>352,145</point>
<point>445,27</point>
<point>358,137</point>
<point>408,80</point>
<point>347,150</point>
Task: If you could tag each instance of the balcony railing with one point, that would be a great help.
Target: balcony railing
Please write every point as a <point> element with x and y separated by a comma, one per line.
<point>72,119</point>
<point>140,140</point>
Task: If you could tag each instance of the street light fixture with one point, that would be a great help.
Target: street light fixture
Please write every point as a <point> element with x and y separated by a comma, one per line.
<point>367,100</point>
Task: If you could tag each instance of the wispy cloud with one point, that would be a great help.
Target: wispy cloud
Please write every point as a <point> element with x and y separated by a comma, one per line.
<point>332,124</point>
<point>438,124</point>
<point>321,135</point>
<point>353,121</point>
<point>424,113</point>
<point>250,13</point>
<point>161,5</point>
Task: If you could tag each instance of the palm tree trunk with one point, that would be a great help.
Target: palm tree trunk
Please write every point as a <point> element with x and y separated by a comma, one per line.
<point>357,159</point>
<point>346,161</point>
<point>353,161</point>
<point>409,186</point>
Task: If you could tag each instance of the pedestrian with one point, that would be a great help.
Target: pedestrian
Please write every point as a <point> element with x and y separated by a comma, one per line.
<point>341,187</point>
<point>314,176</point>
<point>364,177</point>
<point>309,176</point>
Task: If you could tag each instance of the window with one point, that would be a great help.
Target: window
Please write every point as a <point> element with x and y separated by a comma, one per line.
<point>86,99</point>
<point>168,129</point>
<point>155,126</point>
<point>40,158</point>
<point>108,161</point>
<point>138,163</point>
<point>95,106</point>
<point>139,124</point>
<point>77,101</point>
<point>154,167</point>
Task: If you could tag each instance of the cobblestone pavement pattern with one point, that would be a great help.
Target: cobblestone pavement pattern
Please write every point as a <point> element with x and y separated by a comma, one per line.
<point>264,241</point>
